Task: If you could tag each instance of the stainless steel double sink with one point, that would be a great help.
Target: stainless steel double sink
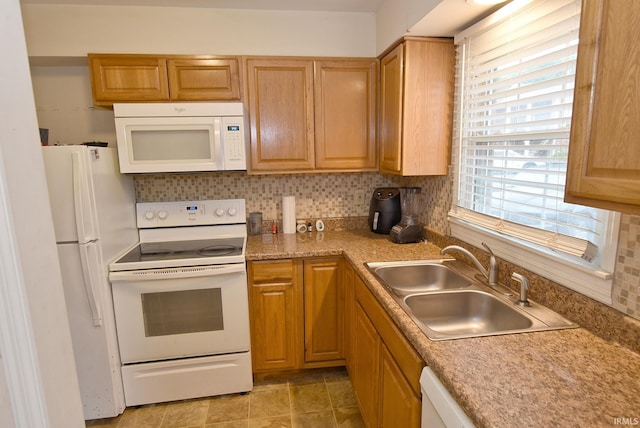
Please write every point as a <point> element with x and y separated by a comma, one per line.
<point>447,299</point>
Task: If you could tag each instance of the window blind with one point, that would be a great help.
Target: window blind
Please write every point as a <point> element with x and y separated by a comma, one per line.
<point>515,81</point>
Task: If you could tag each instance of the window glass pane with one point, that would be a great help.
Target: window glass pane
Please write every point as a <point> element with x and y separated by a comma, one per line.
<point>515,84</point>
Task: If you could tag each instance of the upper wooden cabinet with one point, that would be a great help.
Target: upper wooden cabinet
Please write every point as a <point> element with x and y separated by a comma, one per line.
<point>604,154</point>
<point>308,115</point>
<point>345,112</point>
<point>280,97</point>
<point>131,78</point>
<point>416,107</point>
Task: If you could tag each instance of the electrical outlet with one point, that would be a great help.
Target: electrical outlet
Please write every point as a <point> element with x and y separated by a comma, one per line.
<point>358,198</point>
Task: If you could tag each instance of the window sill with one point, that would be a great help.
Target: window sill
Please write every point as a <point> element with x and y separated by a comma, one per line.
<point>574,274</point>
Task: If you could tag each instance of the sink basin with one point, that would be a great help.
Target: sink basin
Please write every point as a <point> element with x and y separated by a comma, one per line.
<point>409,278</point>
<point>466,313</point>
<point>448,300</point>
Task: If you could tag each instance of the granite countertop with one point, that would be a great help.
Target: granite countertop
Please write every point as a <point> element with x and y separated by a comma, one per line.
<point>554,378</point>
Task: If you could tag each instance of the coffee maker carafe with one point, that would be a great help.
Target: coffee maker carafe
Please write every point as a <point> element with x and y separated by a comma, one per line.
<point>409,229</point>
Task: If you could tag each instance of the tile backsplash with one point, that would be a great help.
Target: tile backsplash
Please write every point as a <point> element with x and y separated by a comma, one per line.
<point>339,196</point>
<point>317,195</point>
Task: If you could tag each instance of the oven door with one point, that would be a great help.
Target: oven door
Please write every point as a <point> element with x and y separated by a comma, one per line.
<point>181,312</point>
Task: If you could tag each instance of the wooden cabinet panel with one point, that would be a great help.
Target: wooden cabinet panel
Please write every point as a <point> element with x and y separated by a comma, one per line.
<point>312,115</point>
<point>204,79</point>
<point>123,78</point>
<point>348,275</point>
<point>297,313</point>
<point>391,84</point>
<point>134,78</point>
<point>416,107</point>
<point>324,310</point>
<point>386,369</point>
<point>345,114</point>
<point>400,406</point>
<point>280,94</point>
<point>366,364</point>
<point>407,358</point>
<point>274,298</point>
<point>604,156</point>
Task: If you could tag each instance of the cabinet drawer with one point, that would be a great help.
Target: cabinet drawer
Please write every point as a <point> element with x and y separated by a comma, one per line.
<point>409,362</point>
<point>271,271</point>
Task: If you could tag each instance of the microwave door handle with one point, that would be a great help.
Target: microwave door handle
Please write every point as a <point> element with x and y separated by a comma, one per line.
<point>90,276</point>
<point>82,199</point>
<point>218,143</point>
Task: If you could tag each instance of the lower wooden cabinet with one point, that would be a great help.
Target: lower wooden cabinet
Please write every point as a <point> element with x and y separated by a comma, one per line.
<point>297,313</point>
<point>323,310</point>
<point>275,299</point>
<point>386,369</point>
<point>317,312</point>
<point>399,405</point>
<point>366,366</point>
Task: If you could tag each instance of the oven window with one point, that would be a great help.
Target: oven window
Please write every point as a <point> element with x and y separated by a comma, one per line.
<point>179,312</point>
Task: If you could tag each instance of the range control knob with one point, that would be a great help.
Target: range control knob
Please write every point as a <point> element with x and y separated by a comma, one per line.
<point>162,215</point>
<point>219,212</point>
<point>149,215</point>
<point>232,211</point>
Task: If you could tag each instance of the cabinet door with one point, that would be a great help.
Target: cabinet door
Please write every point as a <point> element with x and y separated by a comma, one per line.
<point>280,95</point>
<point>366,366</point>
<point>324,310</point>
<point>345,114</point>
<point>400,407</point>
<point>416,107</point>
<point>201,79</point>
<point>274,301</point>
<point>121,78</point>
<point>390,134</point>
<point>604,154</point>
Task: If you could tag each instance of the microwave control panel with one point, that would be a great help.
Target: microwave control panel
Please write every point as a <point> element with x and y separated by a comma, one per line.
<point>233,141</point>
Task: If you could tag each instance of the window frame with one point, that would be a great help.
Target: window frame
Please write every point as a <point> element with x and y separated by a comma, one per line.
<point>591,279</point>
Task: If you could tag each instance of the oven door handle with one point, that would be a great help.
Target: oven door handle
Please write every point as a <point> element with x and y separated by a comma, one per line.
<point>179,272</point>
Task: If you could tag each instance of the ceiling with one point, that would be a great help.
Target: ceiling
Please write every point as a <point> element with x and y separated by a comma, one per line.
<point>304,5</point>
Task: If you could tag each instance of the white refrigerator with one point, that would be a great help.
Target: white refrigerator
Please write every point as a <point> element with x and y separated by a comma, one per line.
<point>93,208</point>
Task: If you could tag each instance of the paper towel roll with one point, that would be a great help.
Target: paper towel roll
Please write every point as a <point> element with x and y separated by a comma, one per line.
<point>289,214</point>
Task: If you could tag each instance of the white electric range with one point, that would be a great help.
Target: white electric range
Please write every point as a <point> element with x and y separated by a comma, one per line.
<point>181,305</point>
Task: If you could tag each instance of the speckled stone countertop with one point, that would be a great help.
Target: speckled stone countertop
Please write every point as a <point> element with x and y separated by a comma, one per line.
<point>543,379</point>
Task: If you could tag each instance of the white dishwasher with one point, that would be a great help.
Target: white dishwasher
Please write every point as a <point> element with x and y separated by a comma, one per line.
<point>439,409</point>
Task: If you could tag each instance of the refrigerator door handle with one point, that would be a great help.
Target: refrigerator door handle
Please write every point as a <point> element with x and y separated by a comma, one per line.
<point>83,204</point>
<point>90,262</point>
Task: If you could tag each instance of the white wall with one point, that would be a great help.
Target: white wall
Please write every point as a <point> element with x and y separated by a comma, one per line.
<point>64,106</point>
<point>33,251</point>
<point>6,414</point>
<point>74,31</point>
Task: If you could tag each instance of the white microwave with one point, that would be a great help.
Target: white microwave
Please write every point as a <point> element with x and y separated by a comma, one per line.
<point>180,137</point>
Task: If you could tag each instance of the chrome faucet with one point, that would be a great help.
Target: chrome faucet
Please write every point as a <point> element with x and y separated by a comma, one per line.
<point>524,288</point>
<point>491,274</point>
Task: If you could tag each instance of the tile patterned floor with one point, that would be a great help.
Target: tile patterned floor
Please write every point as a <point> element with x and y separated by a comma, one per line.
<point>319,399</point>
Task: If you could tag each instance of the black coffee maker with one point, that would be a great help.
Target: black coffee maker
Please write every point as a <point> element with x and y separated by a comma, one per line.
<point>384,210</point>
